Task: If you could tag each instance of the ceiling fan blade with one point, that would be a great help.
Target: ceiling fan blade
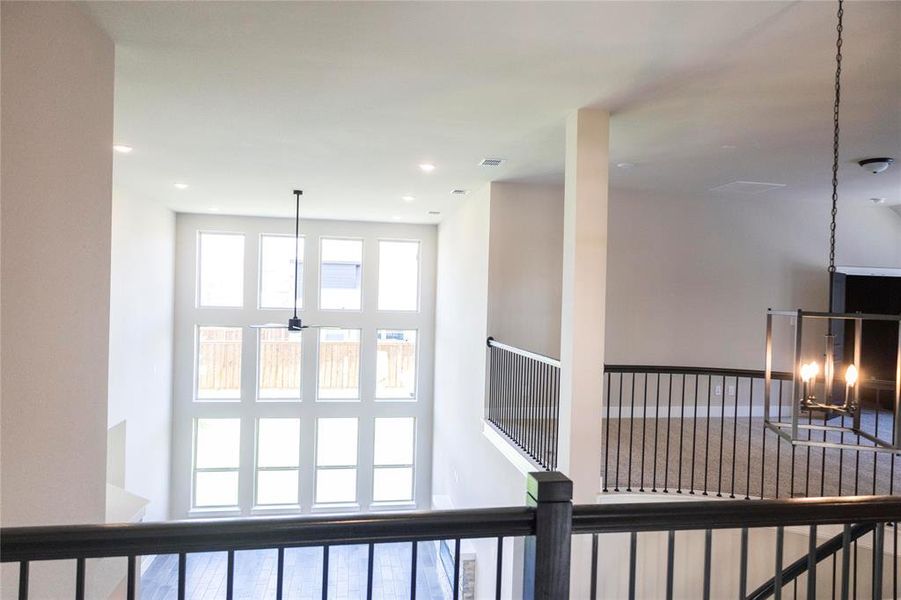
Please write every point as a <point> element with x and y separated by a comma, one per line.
<point>321,327</point>
<point>269,326</point>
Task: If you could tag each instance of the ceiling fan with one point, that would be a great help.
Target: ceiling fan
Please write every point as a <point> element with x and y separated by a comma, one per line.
<point>294,323</point>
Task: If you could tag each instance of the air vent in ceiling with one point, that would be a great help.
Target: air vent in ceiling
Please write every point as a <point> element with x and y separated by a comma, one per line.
<point>434,212</point>
<point>459,192</point>
<point>747,188</point>
<point>492,162</point>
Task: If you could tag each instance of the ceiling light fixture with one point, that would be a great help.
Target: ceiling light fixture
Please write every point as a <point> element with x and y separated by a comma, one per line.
<point>877,200</point>
<point>459,192</point>
<point>492,162</point>
<point>123,149</point>
<point>408,198</point>
<point>434,213</point>
<point>624,165</point>
<point>427,167</point>
<point>395,218</point>
<point>294,323</point>
<point>841,348</point>
<point>876,165</point>
<point>180,186</point>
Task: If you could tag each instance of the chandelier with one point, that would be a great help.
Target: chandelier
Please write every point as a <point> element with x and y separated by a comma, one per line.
<point>834,390</point>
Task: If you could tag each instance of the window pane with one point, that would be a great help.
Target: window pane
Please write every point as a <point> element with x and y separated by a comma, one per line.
<point>336,485</point>
<point>398,275</point>
<point>341,274</point>
<point>392,484</point>
<point>221,267</point>
<point>394,441</point>
<point>339,364</point>
<point>218,443</point>
<point>278,443</point>
<point>277,487</point>
<point>396,364</point>
<point>279,375</point>
<point>219,363</point>
<point>336,442</point>
<point>277,272</point>
<point>216,488</point>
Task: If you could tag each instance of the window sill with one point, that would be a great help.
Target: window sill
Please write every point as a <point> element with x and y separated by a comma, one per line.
<point>338,507</point>
<point>219,511</point>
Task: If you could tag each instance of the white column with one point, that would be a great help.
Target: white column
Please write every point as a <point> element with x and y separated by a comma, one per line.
<point>584,297</point>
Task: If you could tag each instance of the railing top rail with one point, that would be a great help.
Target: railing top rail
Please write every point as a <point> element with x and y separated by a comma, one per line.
<point>752,373</point>
<point>209,535</point>
<point>493,343</point>
<point>733,514</point>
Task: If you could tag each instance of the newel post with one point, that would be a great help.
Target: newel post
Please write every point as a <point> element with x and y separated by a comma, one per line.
<point>546,561</point>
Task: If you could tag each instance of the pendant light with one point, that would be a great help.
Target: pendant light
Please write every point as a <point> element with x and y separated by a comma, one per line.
<point>808,395</point>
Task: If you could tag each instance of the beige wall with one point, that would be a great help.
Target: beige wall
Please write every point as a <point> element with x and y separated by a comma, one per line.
<point>525,266</point>
<point>57,131</point>
<point>690,279</point>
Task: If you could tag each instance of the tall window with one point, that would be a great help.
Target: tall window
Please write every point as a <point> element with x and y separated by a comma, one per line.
<point>336,417</point>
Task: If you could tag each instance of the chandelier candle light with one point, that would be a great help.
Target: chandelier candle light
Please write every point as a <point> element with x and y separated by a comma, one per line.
<point>834,401</point>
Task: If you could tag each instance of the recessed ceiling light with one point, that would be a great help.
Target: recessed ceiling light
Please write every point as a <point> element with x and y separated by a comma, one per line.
<point>395,218</point>
<point>877,200</point>
<point>122,149</point>
<point>434,212</point>
<point>214,209</point>
<point>408,198</point>
<point>181,186</point>
<point>459,192</point>
<point>624,165</point>
<point>427,167</point>
<point>728,147</point>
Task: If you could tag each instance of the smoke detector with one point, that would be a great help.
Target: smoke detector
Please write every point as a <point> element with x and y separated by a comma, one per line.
<point>876,165</point>
<point>492,162</point>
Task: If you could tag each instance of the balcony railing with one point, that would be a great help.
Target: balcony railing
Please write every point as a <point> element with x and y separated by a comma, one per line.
<point>524,400</point>
<point>700,431</point>
<point>657,537</point>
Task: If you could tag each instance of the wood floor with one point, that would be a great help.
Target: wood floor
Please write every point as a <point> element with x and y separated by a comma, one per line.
<point>255,574</point>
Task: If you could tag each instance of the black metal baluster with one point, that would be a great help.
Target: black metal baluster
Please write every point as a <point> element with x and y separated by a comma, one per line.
<point>707,435</point>
<point>763,451</point>
<point>499,570</point>
<point>734,436</point>
<point>656,430</point>
<point>681,434</point>
<point>878,556</point>
<point>414,558</point>
<point>79,578</point>
<point>841,457</point>
<point>619,431</point>
<point>894,558</point>
<point>694,438</point>
<point>230,575</point>
<point>854,574</point>
<point>280,574</point>
<point>876,454</point>
<point>631,422</point>
<point>593,584</point>
<point>834,578</point>
<point>23,580</point>
<point>182,574</point>
<point>777,587</point>
<point>719,491</point>
<point>823,462</point>
<point>644,422</point>
<point>708,547</point>
<point>743,566</point>
<point>130,578</point>
<point>750,421</point>
<point>607,435</point>
<point>370,569</point>
<point>812,563</point>
<point>533,388</point>
<point>556,428</point>
<point>779,441</point>
<point>325,553</point>
<point>857,468</point>
<point>670,560</point>
<point>633,546</point>
<point>457,569</point>
<point>669,412</point>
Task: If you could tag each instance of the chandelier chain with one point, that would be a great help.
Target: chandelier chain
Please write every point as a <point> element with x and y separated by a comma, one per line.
<point>835,135</point>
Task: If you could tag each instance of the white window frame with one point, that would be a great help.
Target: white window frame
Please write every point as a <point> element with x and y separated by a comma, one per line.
<point>189,315</point>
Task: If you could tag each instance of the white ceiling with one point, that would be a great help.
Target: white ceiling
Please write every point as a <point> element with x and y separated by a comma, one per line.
<point>246,101</point>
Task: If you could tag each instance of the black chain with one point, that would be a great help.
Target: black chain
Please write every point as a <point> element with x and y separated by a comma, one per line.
<point>838,93</point>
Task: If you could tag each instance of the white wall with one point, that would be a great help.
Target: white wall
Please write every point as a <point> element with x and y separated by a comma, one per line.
<point>57,132</point>
<point>525,266</point>
<point>690,279</point>
<point>140,364</point>
<point>467,469</point>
